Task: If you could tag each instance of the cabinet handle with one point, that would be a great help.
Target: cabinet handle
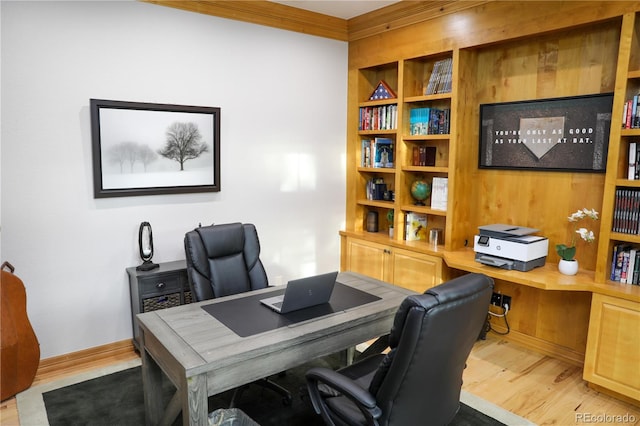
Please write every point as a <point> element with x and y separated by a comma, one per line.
<point>160,285</point>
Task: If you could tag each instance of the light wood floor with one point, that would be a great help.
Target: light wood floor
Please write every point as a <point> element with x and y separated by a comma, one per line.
<point>540,388</point>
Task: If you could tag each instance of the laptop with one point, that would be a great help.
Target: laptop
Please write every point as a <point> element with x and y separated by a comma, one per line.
<point>303,293</point>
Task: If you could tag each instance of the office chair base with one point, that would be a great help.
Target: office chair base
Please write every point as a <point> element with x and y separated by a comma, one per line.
<point>286,395</point>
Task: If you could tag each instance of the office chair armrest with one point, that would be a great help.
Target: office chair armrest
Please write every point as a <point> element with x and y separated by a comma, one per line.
<point>365,402</point>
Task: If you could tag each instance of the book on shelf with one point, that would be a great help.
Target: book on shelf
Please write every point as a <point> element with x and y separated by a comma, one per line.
<point>377,152</point>
<point>375,189</point>
<point>440,79</point>
<point>383,152</point>
<point>419,121</point>
<point>416,226</point>
<point>429,121</point>
<point>383,117</point>
<point>439,193</point>
<point>631,113</point>
<point>625,266</point>
<point>423,156</point>
<point>631,175</point>
<point>634,161</point>
<point>626,211</point>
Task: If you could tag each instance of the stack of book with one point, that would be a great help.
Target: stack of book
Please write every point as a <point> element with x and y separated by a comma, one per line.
<point>424,156</point>
<point>625,266</point>
<point>375,189</point>
<point>440,80</point>
<point>626,211</point>
<point>383,117</point>
<point>439,193</point>
<point>631,113</point>
<point>429,121</point>
<point>377,152</point>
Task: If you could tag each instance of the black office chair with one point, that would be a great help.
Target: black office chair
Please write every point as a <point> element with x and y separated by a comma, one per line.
<point>420,379</point>
<point>223,260</point>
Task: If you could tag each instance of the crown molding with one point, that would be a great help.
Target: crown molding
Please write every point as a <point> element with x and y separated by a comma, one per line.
<point>267,13</point>
<point>280,16</point>
<point>403,14</point>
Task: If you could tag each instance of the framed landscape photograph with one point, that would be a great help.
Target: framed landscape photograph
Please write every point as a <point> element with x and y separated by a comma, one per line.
<point>560,134</point>
<point>148,149</point>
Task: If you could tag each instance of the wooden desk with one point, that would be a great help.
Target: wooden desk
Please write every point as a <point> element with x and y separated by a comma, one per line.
<point>202,357</point>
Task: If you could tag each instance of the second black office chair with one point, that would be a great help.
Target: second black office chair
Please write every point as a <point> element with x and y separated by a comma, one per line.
<point>223,260</point>
<point>419,380</point>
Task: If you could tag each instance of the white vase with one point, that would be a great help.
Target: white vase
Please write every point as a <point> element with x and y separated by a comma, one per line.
<point>391,232</point>
<point>568,267</point>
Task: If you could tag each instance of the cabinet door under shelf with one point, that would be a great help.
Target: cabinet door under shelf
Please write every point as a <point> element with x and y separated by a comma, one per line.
<point>416,271</point>
<point>409,269</point>
<point>613,346</point>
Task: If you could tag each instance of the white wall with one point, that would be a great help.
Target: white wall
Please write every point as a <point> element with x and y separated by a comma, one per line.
<point>283,100</point>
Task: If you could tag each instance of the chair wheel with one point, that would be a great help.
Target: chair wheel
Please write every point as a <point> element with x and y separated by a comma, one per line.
<point>287,400</point>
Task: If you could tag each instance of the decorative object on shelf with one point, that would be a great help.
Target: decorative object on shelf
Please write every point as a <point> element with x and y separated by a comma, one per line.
<point>372,221</point>
<point>568,265</point>
<point>382,91</point>
<point>439,193</point>
<point>435,236</point>
<point>145,244</point>
<point>416,227</point>
<point>390,217</point>
<point>420,191</point>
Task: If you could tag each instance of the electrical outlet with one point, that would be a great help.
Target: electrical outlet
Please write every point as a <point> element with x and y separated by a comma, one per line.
<point>499,299</point>
<point>496,298</point>
<point>506,300</point>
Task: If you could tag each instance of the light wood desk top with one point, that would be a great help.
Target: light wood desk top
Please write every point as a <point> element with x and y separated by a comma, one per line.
<point>202,357</point>
<point>546,277</point>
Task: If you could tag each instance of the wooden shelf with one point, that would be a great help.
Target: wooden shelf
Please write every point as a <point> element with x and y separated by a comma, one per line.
<point>425,169</point>
<point>379,102</point>
<point>377,170</point>
<point>627,182</point>
<point>630,132</point>
<point>423,209</point>
<point>376,203</point>
<point>629,238</point>
<point>377,132</point>
<point>419,138</point>
<point>424,98</point>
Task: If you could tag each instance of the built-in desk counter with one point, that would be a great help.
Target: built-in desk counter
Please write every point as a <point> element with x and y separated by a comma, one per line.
<point>572,317</point>
<point>544,278</point>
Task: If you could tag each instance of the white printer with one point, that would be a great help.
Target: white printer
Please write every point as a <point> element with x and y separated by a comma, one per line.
<point>510,247</point>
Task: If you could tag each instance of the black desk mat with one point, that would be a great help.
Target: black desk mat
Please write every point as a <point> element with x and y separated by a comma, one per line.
<point>246,316</point>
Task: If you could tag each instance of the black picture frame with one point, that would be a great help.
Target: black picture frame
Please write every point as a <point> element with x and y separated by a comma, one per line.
<point>557,134</point>
<point>151,149</point>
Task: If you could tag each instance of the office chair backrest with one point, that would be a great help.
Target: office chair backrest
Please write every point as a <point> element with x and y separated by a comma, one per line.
<point>223,259</point>
<point>430,341</point>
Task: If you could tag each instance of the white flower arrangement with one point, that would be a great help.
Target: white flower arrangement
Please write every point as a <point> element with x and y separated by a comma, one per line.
<point>569,252</point>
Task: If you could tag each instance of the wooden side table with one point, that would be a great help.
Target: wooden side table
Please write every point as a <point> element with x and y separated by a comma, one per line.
<point>160,288</point>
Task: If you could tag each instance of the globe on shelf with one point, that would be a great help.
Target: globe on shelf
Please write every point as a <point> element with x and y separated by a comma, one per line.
<point>420,190</point>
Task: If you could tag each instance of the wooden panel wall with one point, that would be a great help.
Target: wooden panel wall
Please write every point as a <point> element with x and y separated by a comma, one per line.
<point>569,63</point>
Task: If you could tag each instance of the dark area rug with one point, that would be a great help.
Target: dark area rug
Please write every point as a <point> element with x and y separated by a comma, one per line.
<point>117,399</point>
